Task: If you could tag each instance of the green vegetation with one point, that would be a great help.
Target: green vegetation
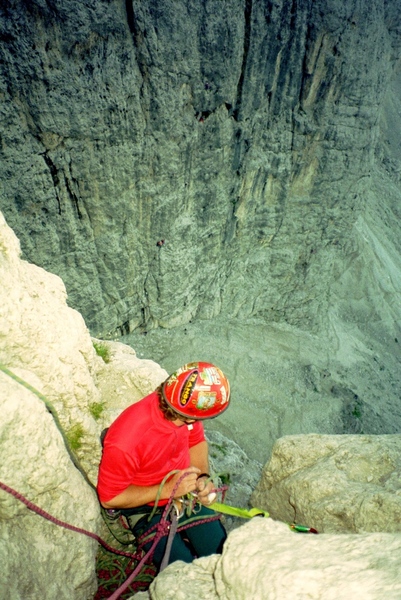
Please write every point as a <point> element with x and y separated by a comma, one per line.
<point>74,436</point>
<point>357,408</point>
<point>225,478</point>
<point>219,447</point>
<point>96,409</point>
<point>102,350</point>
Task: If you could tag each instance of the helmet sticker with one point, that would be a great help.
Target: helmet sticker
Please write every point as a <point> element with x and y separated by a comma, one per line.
<point>172,379</point>
<point>205,400</point>
<point>210,376</point>
<point>223,394</point>
<point>187,388</point>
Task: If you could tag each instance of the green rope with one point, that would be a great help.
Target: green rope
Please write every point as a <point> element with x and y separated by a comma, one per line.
<point>159,493</point>
<point>54,414</point>
<point>238,512</point>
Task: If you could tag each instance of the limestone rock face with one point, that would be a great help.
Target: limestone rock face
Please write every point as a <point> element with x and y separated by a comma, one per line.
<point>174,161</point>
<point>124,379</point>
<point>264,560</point>
<point>38,558</point>
<point>344,483</point>
<point>40,333</point>
<point>45,346</point>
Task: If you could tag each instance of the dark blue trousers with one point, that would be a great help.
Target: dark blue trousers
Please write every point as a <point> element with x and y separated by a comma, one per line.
<point>194,542</point>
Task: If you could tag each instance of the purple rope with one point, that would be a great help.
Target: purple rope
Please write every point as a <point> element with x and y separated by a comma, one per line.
<point>49,517</point>
<point>162,529</point>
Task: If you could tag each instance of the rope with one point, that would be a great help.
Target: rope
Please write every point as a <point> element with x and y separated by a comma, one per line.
<point>56,419</point>
<point>161,529</point>
<point>170,539</point>
<point>63,524</point>
<point>255,512</point>
<point>238,512</point>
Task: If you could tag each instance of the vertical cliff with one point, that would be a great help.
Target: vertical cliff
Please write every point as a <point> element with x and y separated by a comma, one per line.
<point>179,160</point>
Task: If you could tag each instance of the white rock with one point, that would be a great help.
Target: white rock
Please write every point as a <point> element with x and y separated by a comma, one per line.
<point>265,560</point>
<point>46,345</point>
<point>38,558</point>
<point>344,483</point>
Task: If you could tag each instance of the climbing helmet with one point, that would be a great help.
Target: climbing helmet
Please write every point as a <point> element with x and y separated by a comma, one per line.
<point>198,390</point>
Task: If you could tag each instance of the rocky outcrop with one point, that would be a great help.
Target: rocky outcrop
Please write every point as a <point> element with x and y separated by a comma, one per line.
<point>47,346</point>
<point>264,560</point>
<point>49,373</point>
<point>241,174</point>
<point>122,379</point>
<point>41,334</point>
<point>38,558</point>
<point>345,483</point>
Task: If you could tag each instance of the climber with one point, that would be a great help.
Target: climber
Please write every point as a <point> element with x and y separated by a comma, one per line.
<point>161,433</point>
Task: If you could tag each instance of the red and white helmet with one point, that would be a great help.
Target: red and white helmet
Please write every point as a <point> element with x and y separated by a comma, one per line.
<point>198,390</point>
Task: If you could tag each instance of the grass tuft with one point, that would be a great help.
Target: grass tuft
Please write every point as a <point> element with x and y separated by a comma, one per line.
<point>103,351</point>
<point>74,436</point>
<point>96,409</point>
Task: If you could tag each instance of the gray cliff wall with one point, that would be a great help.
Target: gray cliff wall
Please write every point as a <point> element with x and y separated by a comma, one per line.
<point>251,136</point>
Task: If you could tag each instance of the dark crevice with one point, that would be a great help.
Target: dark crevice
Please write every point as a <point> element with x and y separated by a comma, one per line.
<point>247,41</point>
<point>201,116</point>
<point>54,175</point>
<point>124,328</point>
<point>74,197</point>
<point>130,16</point>
<point>52,169</point>
<point>137,35</point>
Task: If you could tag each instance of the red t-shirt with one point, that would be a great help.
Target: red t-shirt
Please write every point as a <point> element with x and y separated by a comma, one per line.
<point>141,447</point>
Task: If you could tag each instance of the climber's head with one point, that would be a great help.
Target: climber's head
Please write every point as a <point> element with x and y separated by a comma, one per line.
<point>197,391</point>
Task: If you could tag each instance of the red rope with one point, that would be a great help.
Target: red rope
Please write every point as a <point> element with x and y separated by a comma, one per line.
<point>49,517</point>
<point>162,528</point>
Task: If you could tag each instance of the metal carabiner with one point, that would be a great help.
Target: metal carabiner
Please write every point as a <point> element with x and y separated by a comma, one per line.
<point>179,510</point>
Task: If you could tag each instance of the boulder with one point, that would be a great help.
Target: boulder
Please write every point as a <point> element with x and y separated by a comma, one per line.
<point>335,483</point>
<point>265,560</point>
